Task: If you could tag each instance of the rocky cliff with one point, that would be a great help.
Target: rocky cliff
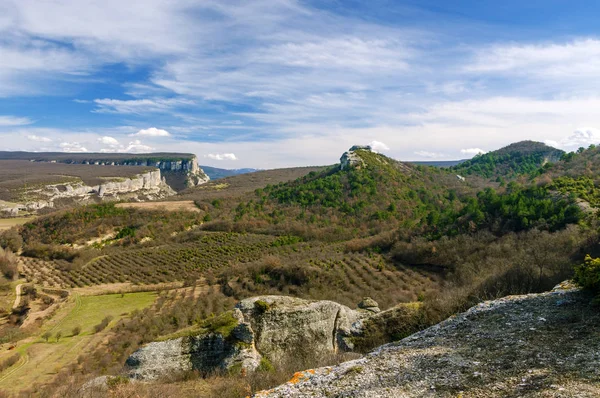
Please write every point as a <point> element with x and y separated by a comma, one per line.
<point>146,186</point>
<point>273,327</point>
<point>538,345</point>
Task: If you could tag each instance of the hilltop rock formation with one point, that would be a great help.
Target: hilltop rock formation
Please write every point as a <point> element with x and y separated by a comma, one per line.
<point>267,326</point>
<point>351,159</point>
<point>537,345</point>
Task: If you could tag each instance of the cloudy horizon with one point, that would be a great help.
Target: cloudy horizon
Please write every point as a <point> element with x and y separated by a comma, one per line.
<point>276,83</point>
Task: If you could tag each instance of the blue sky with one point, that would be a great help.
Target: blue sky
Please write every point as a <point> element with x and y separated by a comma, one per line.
<point>275,83</point>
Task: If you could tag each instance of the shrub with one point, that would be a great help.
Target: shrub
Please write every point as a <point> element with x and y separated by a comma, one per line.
<point>102,325</point>
<point>11,240</point>
<point>8,264</point>
<point>76,330</point>
<point>265,366</point>
<point>261,306</point>
<point>587,275</point>
<point>10,361</point>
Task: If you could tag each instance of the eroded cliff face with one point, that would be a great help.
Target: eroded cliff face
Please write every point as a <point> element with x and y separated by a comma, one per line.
<point>147,186</point>
<point>179,173</point>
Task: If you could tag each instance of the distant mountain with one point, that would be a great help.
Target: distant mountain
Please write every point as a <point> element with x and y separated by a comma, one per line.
<point>511,161</point>
<point>215,173</point>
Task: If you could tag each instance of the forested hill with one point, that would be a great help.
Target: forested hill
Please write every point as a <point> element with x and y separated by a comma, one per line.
<point>516,159</point>
<point>577,174</point>
<point>371,193</point>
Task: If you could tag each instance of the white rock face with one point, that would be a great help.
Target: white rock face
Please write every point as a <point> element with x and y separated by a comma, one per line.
<point>350,159</point>
<point>147,186</point>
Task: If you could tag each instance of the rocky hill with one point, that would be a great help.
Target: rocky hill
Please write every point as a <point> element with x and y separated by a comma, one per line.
<point>537,345</point>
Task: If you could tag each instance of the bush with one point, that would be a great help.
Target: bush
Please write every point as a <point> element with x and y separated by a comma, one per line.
<point>102,325</point>
<point>11,240</point>
<point>76,330</point>
<point>8,264</point>
<point>10,361</point>
<point>587,275</point>
<point>261,306</point>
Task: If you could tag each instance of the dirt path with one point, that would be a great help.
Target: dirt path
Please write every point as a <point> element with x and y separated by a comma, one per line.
<point>18,293</point>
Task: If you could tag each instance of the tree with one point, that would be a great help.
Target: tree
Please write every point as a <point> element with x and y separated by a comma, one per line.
<point>46,336</point>
<point>76,330</point>
<point>58,335</point>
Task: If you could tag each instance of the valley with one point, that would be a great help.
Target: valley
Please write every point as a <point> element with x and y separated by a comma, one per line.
<point>392,247</point>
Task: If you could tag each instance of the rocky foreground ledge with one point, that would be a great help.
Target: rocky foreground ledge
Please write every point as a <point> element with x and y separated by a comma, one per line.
<point>538,345</point>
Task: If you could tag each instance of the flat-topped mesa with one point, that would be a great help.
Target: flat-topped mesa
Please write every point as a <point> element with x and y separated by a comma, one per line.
<point>351,159</point>
<point>180,173</point>
<point>181,170</point>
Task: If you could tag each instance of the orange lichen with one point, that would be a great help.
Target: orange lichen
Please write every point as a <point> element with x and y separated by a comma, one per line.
<point>298,377</point>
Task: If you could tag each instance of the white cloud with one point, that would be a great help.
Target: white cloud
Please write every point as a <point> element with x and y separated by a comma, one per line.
<point>221,156</point>
<point>472,151</point>
<point>552,143</point>
<point>72,147</point>
<point>137,146</point>
<point>378,146</point>
<point>431,155</point>
<point>14,121</point>
<point>37,138</point>
<point>152,132</point>
<point>110,141</point>
<point>582,137</point>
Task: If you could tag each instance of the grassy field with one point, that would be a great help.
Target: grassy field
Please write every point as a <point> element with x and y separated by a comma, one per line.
<point>8,223</point>
<point>41,360</point>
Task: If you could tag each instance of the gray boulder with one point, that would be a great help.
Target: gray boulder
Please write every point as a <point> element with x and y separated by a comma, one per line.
<point>276,327</point>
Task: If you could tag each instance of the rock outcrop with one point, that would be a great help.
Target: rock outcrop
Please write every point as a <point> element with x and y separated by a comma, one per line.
<point>274,327</point>
<point>538,345</point>
<point>351,159</point>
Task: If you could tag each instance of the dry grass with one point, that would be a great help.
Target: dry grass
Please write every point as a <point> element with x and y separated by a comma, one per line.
<point>184,205</point>
<point>8,223</point>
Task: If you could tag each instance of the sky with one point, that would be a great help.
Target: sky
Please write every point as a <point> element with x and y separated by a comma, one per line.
<point>281,83</point>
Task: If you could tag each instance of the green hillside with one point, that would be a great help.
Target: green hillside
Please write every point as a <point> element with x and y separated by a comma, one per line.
<point>509,162</point>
